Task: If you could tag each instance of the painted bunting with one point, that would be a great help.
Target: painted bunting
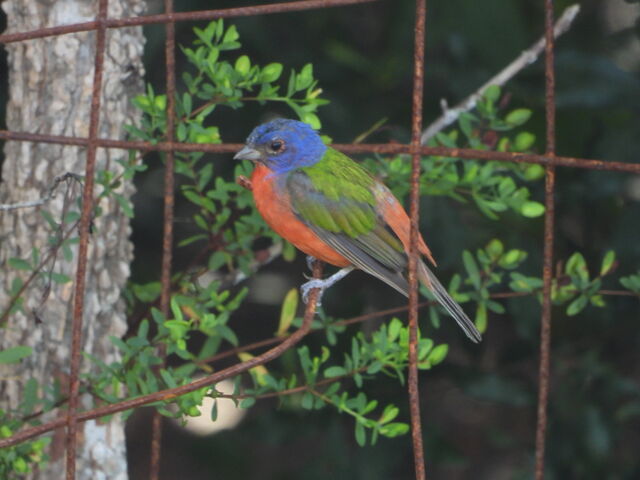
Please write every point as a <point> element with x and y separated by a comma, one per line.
<point>332,209</point>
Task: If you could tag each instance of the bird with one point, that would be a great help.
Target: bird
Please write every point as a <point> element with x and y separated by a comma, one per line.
<point>334,210</point>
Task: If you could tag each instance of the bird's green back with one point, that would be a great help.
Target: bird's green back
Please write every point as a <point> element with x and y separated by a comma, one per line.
<point>335,194</point>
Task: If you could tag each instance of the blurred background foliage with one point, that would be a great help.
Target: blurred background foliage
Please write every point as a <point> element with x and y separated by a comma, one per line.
<point>479,405</point>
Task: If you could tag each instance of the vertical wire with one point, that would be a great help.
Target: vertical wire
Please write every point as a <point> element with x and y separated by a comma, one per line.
<point>416,128</point>
<point>549,220</point>
<point>83,247</point>
<point>167,236</point>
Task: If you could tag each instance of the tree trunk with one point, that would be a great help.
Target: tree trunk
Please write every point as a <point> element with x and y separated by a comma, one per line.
<point>50,83</point>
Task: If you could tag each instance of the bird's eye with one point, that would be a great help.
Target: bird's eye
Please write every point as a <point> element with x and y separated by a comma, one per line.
<point>276,146</point>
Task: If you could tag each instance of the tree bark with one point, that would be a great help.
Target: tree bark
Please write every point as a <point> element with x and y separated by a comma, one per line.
<point>50,83</point>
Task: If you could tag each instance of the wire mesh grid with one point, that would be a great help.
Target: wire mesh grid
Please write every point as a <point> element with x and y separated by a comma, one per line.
<point>101,24</point>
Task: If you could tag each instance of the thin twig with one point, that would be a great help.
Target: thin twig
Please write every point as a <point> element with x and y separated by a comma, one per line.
<point>450,115</point>
<point>50,193</point>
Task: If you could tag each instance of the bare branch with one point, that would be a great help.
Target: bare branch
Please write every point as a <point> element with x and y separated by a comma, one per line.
<point>450,115</point>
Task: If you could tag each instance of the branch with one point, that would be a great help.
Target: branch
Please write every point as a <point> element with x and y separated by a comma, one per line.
<point>50,193</point>
<point>450,115</point>
<point>170,393</point>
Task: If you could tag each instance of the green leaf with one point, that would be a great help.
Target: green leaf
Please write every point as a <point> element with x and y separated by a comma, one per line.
<point>147,292</point>
<point>168,378</point>
<point>607,262</point>
<point>534,172</point>
<point>532,209</point>
<point>187,103</point>
<point>465,124</point>
<point>243,65</point>
<point>512,258</point>
<point>288,311</point>
<point>492,93</point>
<point>394,429</point>
<point>231,35</point>
<point>15,354</point>
<point>305,77</point>
<point>524,141</point>
<point>307,401</point>
<point>472,268</point>
<point>49,219</point>
<point>193,239</point>
<point>518,116</point>
<point>390,412</point>
<point>481,318</point>
<point>445,140</point>
<point>271,72</point>
<point>335,371</point>
<point>176,310</point>
<point>577,267</point>
<point>59,278</point>
<point>361,434</point>
<point>288,251</point>
<point>632,282</point>
<point>577,305</point>
<point>438,354</point>
<point>29,396</point>
<point>374,368</point>
<point>312,119</point>
<point>213,55</point>
<point>217,260</point>
<point>219,28</point>
<point>20,465</point>
<point>160,102</point>
<point>181,132</point>
<point>19,264</point>
<point>495,248</point>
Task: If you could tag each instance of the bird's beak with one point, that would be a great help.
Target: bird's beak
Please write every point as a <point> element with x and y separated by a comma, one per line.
<point>247,153</point>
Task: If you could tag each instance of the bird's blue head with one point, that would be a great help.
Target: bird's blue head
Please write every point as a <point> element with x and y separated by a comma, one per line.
<point>283,145</point>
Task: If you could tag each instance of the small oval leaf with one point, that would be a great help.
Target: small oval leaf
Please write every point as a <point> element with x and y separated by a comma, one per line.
<point>532,209</point>
<point>15,354</point>
<point>288,311</point>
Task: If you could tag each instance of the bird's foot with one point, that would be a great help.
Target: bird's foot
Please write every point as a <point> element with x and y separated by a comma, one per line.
<point>306,288</point>
<point>322,284</point>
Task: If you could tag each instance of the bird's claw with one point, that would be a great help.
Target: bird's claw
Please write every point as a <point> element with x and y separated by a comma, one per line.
<point>307,287</point>
<point>322,284</point>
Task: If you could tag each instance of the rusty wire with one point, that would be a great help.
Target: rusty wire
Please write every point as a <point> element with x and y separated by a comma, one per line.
<point>414,234</point>
<point>85,221</point>
<point>380,148</point>
<point>549,159</point>
<point>549,221</point>
<point>167,231</point>
<point>178,17</point>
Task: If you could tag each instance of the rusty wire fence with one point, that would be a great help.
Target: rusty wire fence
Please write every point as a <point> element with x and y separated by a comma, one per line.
<point>72,417</point>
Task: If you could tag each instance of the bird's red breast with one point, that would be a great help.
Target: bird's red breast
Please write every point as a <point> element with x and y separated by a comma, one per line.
<point>274,205</point>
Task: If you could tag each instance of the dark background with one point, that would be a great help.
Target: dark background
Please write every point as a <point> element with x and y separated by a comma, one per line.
<point>479,405</point>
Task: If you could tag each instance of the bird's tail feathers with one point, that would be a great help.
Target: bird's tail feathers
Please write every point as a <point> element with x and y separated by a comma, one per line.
<point>427,277</point>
